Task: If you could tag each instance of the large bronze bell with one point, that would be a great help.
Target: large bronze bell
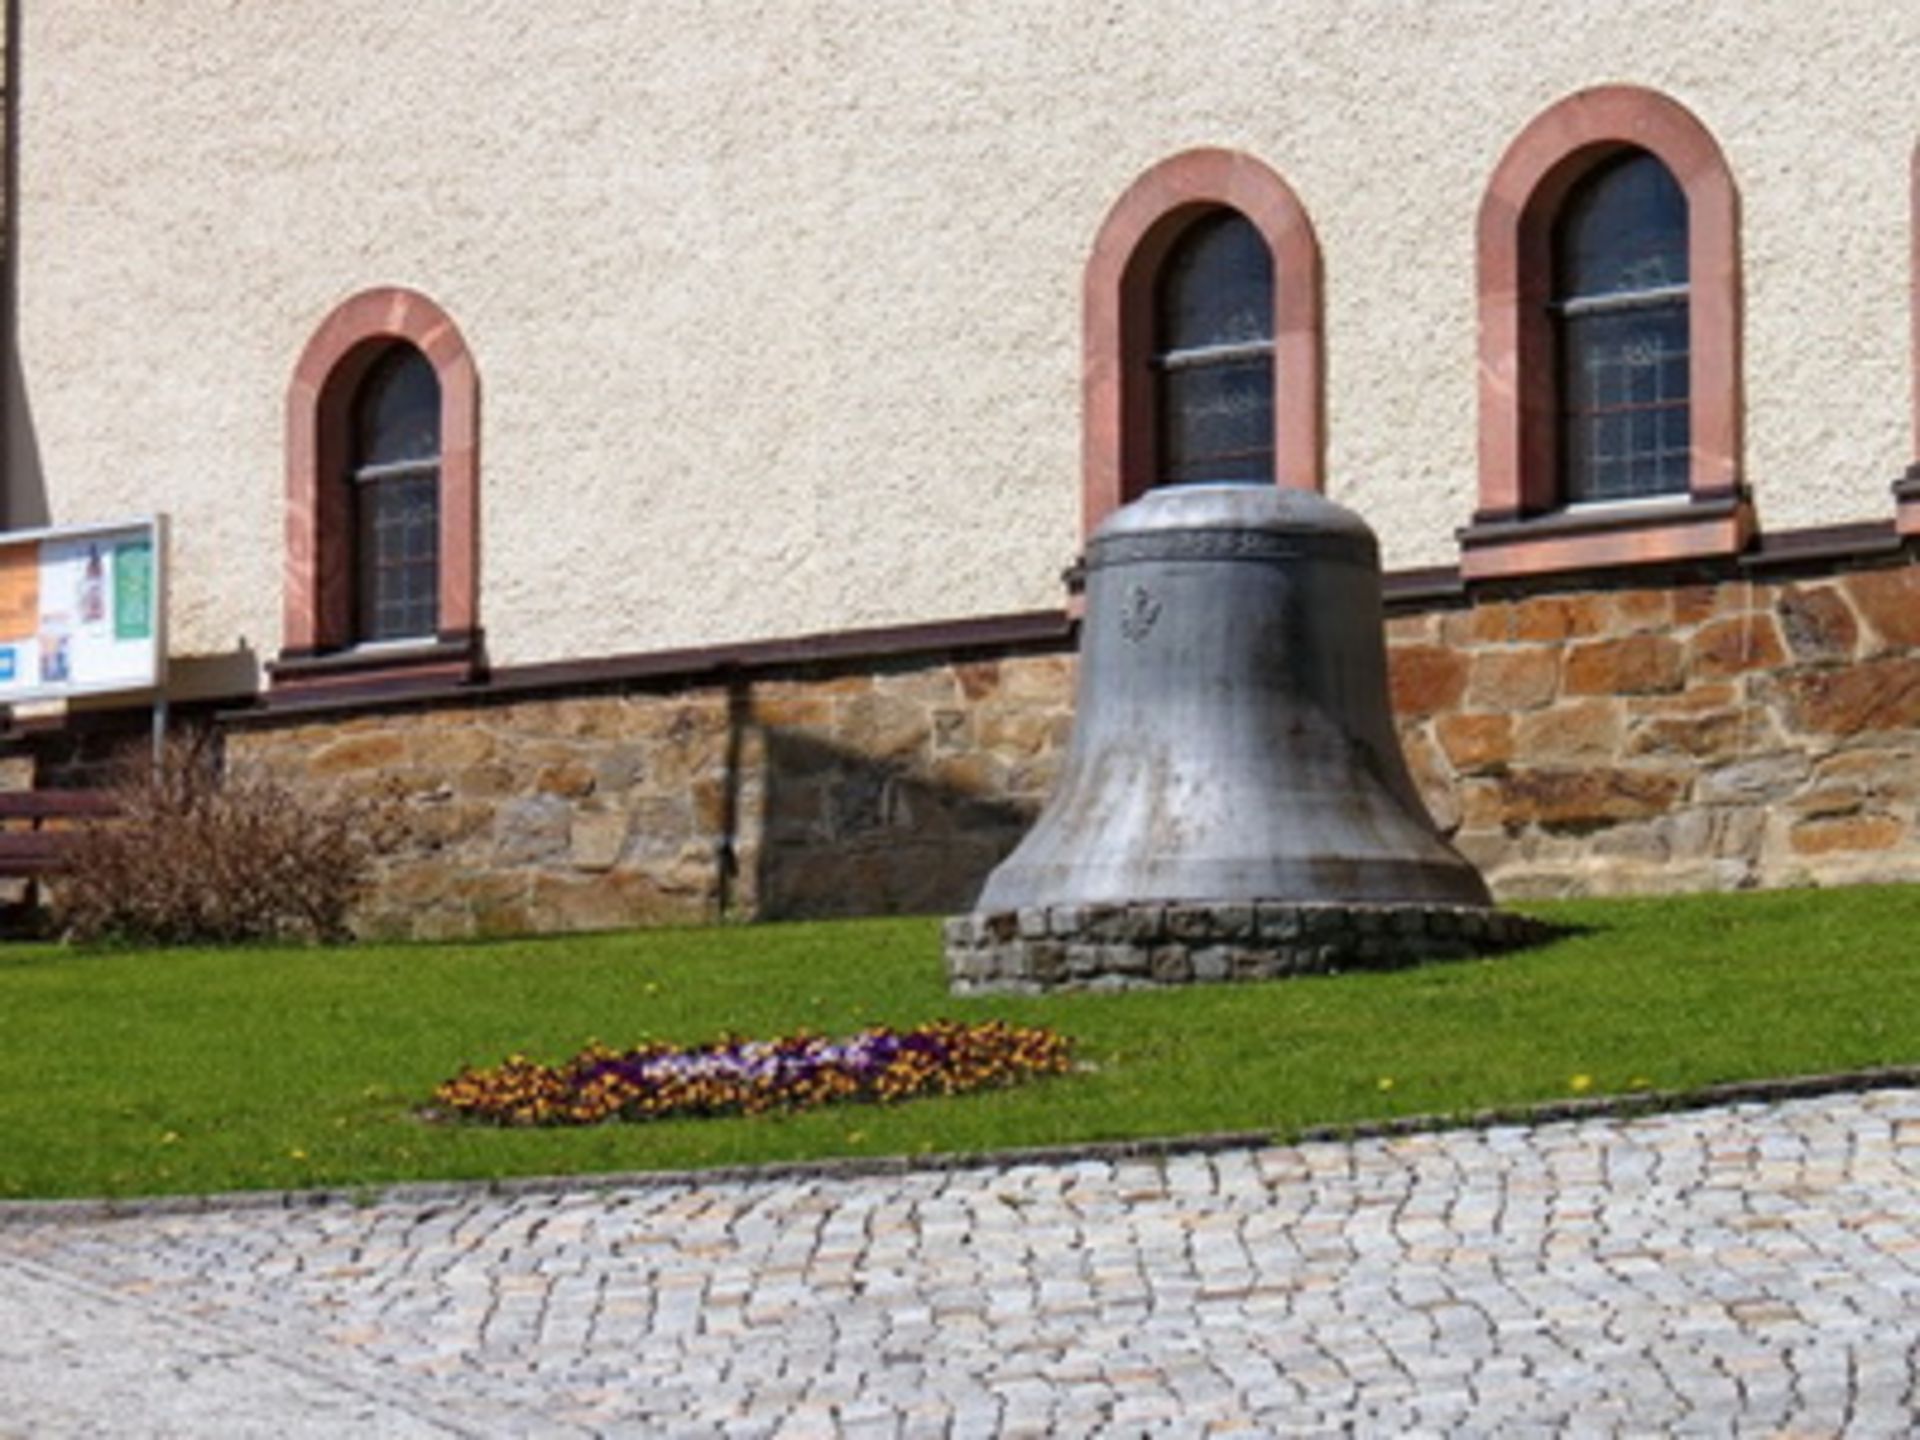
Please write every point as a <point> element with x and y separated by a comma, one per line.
<point>1234,801</point>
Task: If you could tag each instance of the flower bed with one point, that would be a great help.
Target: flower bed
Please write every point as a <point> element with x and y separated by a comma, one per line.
<point>733,1076</point>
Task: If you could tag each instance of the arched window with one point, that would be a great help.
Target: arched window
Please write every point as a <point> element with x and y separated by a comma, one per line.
<point>1620,306</point>
<point>1214,353</point>
<point>1203,353</point>
<point>383,498</point>
<point>396,498</point>
<point>1610,407</point>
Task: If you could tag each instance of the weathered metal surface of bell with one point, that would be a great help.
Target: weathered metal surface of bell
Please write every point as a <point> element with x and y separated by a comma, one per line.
<point>1234,781</point>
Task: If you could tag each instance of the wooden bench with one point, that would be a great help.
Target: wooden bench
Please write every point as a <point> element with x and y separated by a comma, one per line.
<point>38,827</point>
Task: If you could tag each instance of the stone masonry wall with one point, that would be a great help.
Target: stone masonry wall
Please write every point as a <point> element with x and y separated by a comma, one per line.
<point>1640,738</point>
<point>1711,736</point>
<point>895,791</point>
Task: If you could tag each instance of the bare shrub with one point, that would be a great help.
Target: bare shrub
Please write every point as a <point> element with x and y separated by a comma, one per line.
<point>198,855</point>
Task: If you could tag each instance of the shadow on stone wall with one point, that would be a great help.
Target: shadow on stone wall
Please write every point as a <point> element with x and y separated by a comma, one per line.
<point>842,833</point>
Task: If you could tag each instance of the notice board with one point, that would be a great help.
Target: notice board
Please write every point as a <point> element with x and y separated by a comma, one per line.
<point>82,610</point>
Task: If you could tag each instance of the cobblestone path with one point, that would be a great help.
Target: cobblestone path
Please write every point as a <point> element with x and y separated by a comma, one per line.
<point>1751,1269</point>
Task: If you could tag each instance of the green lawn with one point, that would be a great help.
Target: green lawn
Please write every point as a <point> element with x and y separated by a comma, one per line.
<point>130,1072</point>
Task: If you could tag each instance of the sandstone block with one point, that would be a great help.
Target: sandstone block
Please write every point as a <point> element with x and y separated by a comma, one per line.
<point>1733,832</point>
<point>1694,603</point>
<point>1760,779</point>
<point>1586,798</point>
<point>952,731</point>
<point>1828,801</point>
<point>660,826</point>
<point>1432,778</point>
<point>1014,732</point>
<point>570,779</point>
<point>1696,699</point>
<point>883,727</point>
<point>1882,694</point>
<point>1817,622</point>
<point>1522,679</point>
<point>971,772</point>
<point>619,767</point>
<point>1425,678</point>
<point>1033,780</point>
<point>1559,617</point>
<point>453,746</point>
<point>1718,735</point>
<point>596,838</point>
<point>1637,610</point>
<point>1889,601</point>
<point>792,708</point>
<point>1854,832</point>
<point>978,679</point>
<point>1490,622</point>
<point>1410,629</point>
<point>443,824</point>
<point>1475,743</point>
<point>377,751</point>
<point>1481,806</point>
<point>1577,732</point>
<point>1891,773</point>
<point>1038,677</point>
<point>1632,665</point>
<point>1646,840</point>
<point>1735,645</point>
<point>927,686</point>
<point>530,830</point>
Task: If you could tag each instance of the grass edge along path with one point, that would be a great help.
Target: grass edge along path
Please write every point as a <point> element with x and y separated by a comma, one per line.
<point>138,1072</point>
<point>849,1167</point>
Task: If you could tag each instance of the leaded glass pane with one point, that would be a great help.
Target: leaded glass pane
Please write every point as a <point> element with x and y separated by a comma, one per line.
<point>397,412</point>
<point>1216,287</point>
<point>396,482</point>
<point>1621,307</point>
<point>1213,349</point>
<point>398,522</point>
<point>1623,229</point>
<point>1216,422</point>
<point>1624,390</point>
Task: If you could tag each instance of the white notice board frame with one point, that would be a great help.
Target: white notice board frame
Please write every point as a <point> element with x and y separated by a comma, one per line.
<point>81,612</point>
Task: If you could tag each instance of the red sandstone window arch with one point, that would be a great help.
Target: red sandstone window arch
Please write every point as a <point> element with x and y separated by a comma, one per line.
<point>1522,524</point>
<point>1120,444</point>
<point>319,631</point>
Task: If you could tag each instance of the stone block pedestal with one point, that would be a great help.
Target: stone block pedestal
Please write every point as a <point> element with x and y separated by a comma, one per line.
<point>1126,947</point>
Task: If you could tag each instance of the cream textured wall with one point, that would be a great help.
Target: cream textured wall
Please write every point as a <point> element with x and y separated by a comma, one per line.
<point>776,305</point>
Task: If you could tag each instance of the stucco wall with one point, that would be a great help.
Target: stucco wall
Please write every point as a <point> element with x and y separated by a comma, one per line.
<point>776,305</point>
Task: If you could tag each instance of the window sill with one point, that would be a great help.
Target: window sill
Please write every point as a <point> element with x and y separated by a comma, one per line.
<point>1605,537</point>
<point>433,663</point>
<point>1906,495</point>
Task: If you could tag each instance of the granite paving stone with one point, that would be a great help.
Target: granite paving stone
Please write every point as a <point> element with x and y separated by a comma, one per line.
<point>1742,1270</point>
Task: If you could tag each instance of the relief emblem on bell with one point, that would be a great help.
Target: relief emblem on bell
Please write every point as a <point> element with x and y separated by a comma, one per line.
<point>1136,621</point>
<point>1234,802</point>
